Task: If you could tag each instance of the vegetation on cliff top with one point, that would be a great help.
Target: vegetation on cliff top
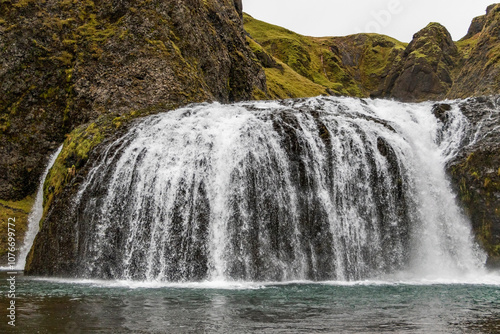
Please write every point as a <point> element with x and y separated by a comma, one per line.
<point>352,65</point>
<point>431,67</point>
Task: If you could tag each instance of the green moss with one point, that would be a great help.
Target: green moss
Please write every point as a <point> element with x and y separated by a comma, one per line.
<point>23,3</point>
<point>466,46</point>
<point>74,155</point>
<point>493,56</point>
<point>258,94</point>
<point>315,59</point>
<point>287,83</point>
<point>4,123</point>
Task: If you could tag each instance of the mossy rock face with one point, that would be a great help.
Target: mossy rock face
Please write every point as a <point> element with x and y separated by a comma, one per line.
<point>475,173</point>
<point>425,69</point>
<point>478,178</point>
<point>368,59</point>
<point>480,72</point>
<point>65,63</point>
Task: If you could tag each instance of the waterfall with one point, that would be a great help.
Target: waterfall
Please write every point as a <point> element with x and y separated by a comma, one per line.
<point>35,214</point>
<point>316,189</point>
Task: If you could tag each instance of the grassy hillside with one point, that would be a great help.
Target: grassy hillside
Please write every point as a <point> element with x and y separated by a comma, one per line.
<point>431,67</point>
<point>353,65</point>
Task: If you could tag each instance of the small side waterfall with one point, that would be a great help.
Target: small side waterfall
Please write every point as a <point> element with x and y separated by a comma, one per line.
<point>35,214</point>
<point>317,189</point>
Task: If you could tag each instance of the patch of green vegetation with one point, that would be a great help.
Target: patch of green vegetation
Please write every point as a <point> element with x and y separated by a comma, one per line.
<point>79,144</point>
<point>258,94</point>
<point>320,60</point>
<point>19,211</point>
<point>23,3</point>
<point>286,83</point>
<point>493,56</point>
<point>304,55</point>
<point>379,54</point>
<point>74,155</point>
<point>466,46</point>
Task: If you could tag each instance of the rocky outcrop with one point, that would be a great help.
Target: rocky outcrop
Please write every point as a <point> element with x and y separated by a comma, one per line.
<point>64,63</point>
<point>369,59</point>
<point>482,61</point>
<point>425,70</point>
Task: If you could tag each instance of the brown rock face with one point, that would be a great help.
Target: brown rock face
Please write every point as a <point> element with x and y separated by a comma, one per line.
<point>64,63</point>
<point>476,26</point>
<point>425,70</point>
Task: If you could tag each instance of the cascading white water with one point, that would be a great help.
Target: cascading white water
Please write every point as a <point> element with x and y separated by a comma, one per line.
<point>321,189</point>
<point>35,214</point>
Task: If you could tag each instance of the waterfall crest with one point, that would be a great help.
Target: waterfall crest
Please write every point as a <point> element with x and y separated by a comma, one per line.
<point>315,189</point>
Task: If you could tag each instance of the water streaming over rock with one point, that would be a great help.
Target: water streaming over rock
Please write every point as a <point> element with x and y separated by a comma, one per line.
<point>316,189</point>
<point>35,214</point>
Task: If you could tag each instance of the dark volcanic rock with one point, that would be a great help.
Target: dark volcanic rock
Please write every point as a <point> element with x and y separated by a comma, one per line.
<point>64,63</point>
<point>476,27</point>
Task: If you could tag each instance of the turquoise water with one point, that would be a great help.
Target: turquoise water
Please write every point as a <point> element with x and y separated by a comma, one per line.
<point>64,306</point>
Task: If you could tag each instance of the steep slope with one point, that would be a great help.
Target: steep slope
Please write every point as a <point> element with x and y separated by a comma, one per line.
<point>481,48</point>
<point>353,65</point>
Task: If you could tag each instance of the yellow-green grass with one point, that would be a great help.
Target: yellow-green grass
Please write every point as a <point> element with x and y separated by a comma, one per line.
<point>16,212</point>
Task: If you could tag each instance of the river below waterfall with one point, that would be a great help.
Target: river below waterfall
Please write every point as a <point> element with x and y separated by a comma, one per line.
<point>79,306</point>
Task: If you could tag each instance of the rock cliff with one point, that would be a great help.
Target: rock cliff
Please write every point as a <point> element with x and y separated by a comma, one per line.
<point>480,58</point>
<point>476,172</point>
<point>64,63</point>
